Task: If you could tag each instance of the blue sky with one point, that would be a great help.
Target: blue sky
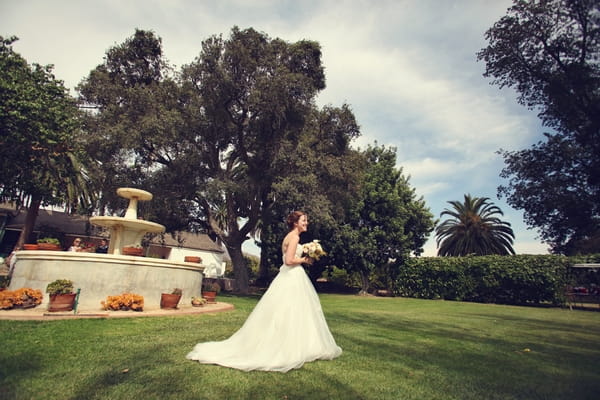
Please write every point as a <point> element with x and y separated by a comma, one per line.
<point>407,68</point>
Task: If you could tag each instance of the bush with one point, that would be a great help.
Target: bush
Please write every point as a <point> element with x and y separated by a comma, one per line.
<point>517,279</point>
<point>210,286</point>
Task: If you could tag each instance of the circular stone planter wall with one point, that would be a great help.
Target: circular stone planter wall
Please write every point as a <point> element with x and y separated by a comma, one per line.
<point>102,275</point>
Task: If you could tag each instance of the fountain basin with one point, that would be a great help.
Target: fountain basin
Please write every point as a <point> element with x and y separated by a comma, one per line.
<point>102,275</point>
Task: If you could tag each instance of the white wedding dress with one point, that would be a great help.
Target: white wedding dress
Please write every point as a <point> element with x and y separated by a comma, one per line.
<point>286,329</point>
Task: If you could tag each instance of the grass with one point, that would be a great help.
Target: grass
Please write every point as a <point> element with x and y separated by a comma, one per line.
<point>394,348</point>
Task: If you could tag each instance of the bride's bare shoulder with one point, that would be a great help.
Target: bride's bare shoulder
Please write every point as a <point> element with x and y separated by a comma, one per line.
<point>289,238</point>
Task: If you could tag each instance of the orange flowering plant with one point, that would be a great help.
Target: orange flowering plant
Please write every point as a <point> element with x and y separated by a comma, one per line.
<point>21,298</point>
<point>124,302</point>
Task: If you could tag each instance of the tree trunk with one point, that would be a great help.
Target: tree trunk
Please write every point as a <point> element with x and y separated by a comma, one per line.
<point>32,213</point>
<point>364,288</point>
<point>239,268</point>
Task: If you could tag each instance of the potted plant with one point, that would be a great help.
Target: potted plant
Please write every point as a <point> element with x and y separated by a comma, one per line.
<point>62,297</point>
<point>198,301</point>
<point>133,250</point>
<point>170,300</point>
<point>210,290</point>
<point>30,246</point>
<point>48,243</point>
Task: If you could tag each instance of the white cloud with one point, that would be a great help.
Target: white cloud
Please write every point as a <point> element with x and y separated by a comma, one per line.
<point>407,68</point>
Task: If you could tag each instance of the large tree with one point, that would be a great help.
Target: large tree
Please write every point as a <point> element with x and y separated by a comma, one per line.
<point>40,152</point>
<point>317,175</point>
<point>474,228</point>
<point>385,223</point>
<point>207,140</point>
<point>548,51</point>
<point>134,118</point>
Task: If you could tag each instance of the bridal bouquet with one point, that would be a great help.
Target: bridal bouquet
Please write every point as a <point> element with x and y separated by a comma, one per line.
<point>313,250</point>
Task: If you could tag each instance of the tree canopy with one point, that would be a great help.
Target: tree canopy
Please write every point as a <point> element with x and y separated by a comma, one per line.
<point>385,222</point>
<point>40,151</point>
<point>548,51</point>
<point>474,229</point>
<point>318,175</point>
<point>214,142</point>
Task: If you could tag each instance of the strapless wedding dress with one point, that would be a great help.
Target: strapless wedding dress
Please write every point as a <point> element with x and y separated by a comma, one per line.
<point>286,329</point>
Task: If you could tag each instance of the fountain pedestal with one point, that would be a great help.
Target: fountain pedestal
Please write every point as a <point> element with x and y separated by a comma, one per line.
<point>128,230</point>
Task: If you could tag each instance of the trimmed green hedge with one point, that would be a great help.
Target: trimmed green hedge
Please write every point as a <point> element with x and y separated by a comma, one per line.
<point>519,279</point>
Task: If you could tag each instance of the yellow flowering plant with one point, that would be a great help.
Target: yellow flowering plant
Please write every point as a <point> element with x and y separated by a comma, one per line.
<point>124,302</point>
<point>21,298</point>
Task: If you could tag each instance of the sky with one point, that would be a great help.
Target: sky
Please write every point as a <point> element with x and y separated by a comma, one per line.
<point>407,69</point>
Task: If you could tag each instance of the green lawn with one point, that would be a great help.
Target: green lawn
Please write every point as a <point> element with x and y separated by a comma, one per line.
<point>394,348</point>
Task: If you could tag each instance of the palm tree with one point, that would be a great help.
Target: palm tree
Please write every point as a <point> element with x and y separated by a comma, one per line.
<point>475,229</point>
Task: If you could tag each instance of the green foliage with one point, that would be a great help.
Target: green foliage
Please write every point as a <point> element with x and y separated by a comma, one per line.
<point>318,175</point>
<point>60,286</point>
<point>517,279</point>
<point>252,264</point>
<point>40,152</point>
<point>210,286</point>
<point>340,279</point>
<point>473,228</point>
<point>548,51</point>
<point>212,142</point>
<point>386,221</point>
<point>39,124</point>
<point>49,240</point>
<point>50,231</point>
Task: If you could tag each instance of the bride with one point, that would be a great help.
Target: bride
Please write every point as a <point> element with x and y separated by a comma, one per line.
<point>286,328</point>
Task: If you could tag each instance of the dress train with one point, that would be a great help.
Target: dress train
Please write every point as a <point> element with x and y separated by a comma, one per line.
<point>286,329</point>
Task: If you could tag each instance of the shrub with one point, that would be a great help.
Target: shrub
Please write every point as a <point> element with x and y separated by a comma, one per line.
<point>517,279</point>
<point>209,286</point>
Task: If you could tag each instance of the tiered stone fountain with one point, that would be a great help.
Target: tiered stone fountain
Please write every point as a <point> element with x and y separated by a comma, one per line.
<point>102,275</point>
<point>128,230</point>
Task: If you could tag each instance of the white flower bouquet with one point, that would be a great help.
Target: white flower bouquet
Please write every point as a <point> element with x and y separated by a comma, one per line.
<point>313,250</point>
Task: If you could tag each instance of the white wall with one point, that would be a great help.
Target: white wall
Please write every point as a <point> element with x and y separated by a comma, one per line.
<point>213,262</point>
<point>102,275</point>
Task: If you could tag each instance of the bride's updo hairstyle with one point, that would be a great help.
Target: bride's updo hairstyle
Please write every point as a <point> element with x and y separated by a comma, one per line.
<point>293,218</point>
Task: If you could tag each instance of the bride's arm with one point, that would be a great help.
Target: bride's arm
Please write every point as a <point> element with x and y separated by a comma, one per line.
<point>290,252</point>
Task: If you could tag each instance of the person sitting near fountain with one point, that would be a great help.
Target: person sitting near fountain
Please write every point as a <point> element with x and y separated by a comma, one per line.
<point>76,246</point>
<point>102,247</point>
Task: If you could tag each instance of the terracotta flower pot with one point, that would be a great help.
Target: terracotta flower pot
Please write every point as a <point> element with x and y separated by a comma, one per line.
<point>210,297</point>
<point>62,302</point>
<point>27,246</point>
<point>132,251</point>
<point>170,301</point>
<point>48,246</point>
<point>192,259</point>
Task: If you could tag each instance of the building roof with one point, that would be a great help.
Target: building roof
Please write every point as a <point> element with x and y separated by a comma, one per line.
<point>189,240</point>
<point>79,225</point>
